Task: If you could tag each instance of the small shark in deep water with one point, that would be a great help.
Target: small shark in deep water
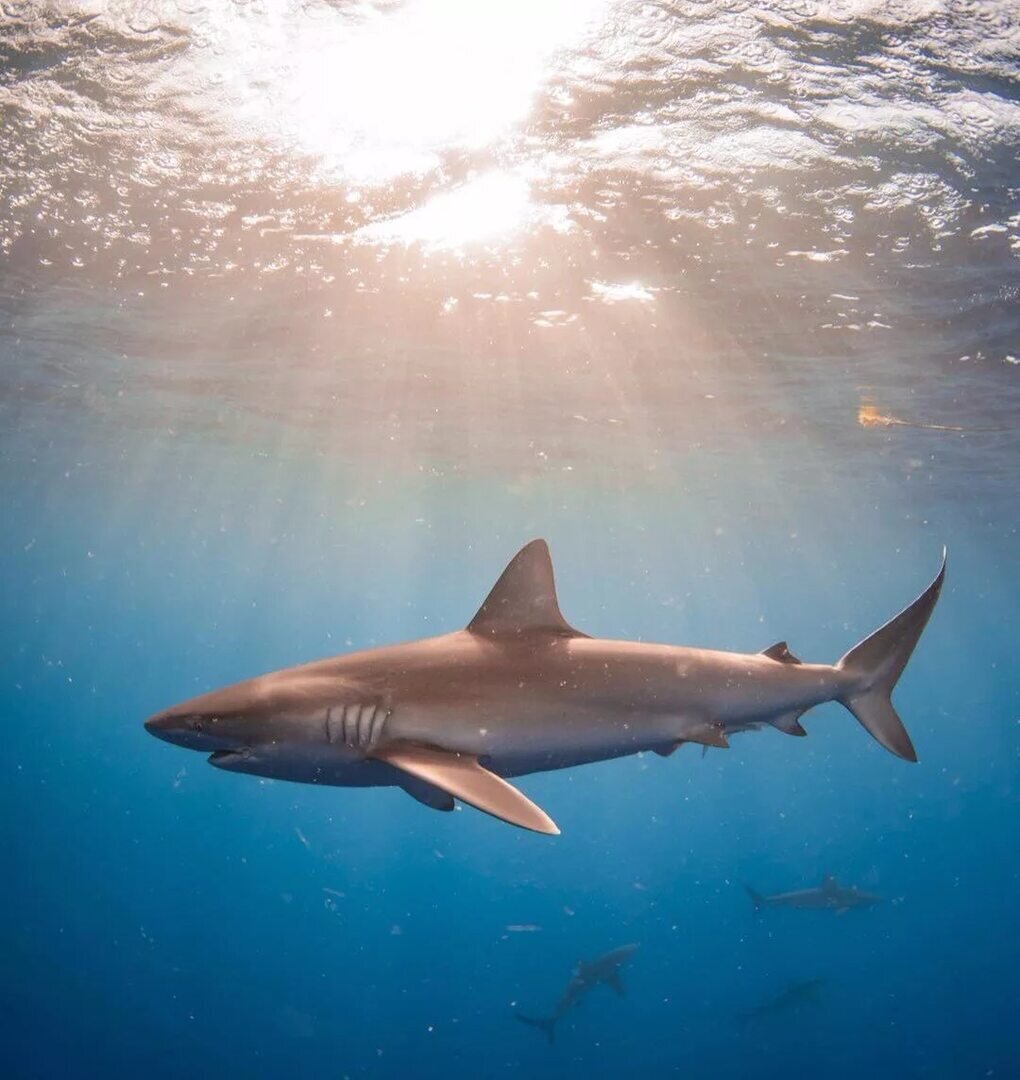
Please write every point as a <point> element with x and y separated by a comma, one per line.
<point>790,999</point>
<point>586,976</point>
<point>830,895</point>
<point>521,691</point>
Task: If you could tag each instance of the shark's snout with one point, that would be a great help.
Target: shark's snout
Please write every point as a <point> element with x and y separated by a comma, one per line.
<point>193,730</point>
<point>161,725</point>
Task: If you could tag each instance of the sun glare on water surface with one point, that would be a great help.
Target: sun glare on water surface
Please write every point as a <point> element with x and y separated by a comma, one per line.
<point>389,94</point>
<point>485,208</point>
<point>376,95</point>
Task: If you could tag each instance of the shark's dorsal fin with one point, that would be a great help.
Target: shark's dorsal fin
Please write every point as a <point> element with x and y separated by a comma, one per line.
<point>829,883</point>
<point>524,598</point>
<point>781,652</point>
<point>460,775</point>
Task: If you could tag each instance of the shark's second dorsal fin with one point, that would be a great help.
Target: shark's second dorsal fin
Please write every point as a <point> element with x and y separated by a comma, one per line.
<point>524,598</point>
<point>781,652</point>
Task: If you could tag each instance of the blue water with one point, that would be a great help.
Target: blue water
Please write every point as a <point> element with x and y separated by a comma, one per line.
<point>742,348</point>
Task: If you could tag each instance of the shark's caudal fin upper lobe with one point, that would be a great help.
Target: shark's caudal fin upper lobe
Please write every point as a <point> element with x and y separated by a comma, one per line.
<point>545,1023</point>
<point>879,660</point>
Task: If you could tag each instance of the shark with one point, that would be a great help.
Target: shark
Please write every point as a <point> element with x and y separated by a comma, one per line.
<point>603,970</point>
<point>519,691</point>
<point>829,895</point>
<point>790,999</point>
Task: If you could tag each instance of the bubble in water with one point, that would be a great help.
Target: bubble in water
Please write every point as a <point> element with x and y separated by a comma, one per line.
<point>144,20</point>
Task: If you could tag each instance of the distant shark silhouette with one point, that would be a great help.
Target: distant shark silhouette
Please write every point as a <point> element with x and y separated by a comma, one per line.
<point>830,894</point>
<point>586,976</point>
<point>521,691</point>
<point>790,999</point>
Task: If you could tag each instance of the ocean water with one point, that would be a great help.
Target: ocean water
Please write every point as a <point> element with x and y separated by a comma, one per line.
<point>310,316</point>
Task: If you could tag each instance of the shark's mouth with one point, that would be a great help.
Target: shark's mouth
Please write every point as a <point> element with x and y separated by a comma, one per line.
<point>227,758</point>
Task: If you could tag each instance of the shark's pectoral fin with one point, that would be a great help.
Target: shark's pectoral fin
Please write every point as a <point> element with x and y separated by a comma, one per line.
<point>616,983</point>
<point>461,776</point>
<point>427,794</point>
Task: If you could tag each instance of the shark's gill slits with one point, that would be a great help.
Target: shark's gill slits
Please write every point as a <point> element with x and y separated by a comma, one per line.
<point>358,725</point>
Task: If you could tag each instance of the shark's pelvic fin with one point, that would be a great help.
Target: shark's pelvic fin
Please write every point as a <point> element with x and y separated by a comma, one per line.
<point>427,794</point>
<point>666,751</point>
<point>781,652</point>
<point>461,776</point>
<point>708,734</point>
<point>524,598</point>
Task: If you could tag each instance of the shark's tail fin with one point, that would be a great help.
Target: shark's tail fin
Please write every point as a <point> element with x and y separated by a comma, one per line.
<point>878,661</point>
<point>545,1023</point>
<point>756,898</point>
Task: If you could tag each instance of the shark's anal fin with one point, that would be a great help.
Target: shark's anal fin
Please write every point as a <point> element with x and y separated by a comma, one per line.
<point>789,723</point>
<point>781,652</point>
<point>461,776</point>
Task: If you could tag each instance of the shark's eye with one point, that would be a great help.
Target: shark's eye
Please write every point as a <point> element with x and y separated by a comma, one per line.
<point>196,723</point>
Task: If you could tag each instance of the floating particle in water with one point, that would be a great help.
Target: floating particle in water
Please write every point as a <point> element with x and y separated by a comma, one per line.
<point>869,416</point>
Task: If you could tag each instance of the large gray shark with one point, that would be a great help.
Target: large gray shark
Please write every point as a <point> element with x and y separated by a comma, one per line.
<point>792,998</point>
<point>521,691</point>
<point>829,895</point>
<point>586,976</point>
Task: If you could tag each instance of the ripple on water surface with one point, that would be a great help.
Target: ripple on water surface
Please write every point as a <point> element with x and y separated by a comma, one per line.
<point>552,198</point>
